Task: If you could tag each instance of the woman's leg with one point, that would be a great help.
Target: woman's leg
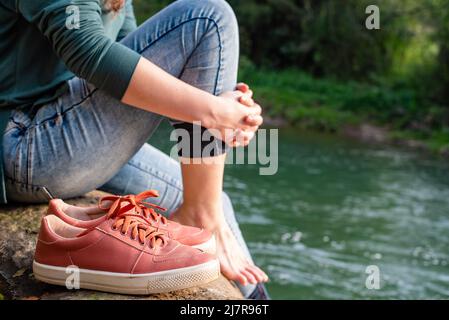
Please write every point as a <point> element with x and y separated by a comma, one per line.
<point>81,141</point>
<point>211,66</point>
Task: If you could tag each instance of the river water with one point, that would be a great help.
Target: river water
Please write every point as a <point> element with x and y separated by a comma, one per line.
<point>336,207</point>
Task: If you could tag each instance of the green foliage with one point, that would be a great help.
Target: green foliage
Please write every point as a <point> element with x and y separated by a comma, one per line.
<point>322,37</point>
<point>329,38</point>
<point>146,8</point>
<point>440,20</point>
<point>327,104</point>
<point>331,70</point>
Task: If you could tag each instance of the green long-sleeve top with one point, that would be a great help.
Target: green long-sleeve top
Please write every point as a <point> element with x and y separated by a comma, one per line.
<point>43,43</point>
<point>42,46</point>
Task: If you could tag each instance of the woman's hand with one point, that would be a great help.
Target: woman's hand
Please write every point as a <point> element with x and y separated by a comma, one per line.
<point>231,115</point>
<point>237,118</point>
<point>243,138</point>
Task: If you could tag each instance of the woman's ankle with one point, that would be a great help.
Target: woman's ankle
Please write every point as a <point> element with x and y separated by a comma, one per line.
<point>208,216</point>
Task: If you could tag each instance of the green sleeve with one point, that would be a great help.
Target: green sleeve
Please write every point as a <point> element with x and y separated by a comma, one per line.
<point>85,50</point>
<point>130,23</point>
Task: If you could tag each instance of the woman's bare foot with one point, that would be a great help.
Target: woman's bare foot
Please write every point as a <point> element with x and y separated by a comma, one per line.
<point>234,265</point>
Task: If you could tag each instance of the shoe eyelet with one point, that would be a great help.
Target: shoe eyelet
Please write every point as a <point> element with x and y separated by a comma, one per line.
<point>123,233</point>
<point>114,228</point>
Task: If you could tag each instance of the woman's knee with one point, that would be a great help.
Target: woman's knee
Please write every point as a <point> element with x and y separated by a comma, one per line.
<point>226,28</point>
<point>219,11</point>
<point>224,13</point>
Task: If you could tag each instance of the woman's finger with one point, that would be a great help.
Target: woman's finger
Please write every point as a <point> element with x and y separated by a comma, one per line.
<point>249,93</point>
<point>246,100</point>
<point>253,120</point>
<point>247,136</point>
<point>255,109</point>
<point>242,138</point>
<point>242,87</point>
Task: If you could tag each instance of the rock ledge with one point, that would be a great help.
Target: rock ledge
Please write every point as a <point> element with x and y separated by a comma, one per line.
<point>19,225</point>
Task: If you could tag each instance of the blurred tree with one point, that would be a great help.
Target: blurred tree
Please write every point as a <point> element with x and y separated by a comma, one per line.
<point>329,38</point>
<point>439,18</point>
<point>324,37</point>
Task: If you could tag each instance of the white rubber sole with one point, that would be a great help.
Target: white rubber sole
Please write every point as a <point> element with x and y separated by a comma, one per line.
<point>209,246</point>
<point>138,284</point>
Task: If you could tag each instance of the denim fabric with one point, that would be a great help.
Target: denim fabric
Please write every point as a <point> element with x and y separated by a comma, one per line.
<point>87,139</point>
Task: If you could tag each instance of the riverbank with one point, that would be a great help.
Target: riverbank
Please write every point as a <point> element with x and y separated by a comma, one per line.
<point>366,112</point>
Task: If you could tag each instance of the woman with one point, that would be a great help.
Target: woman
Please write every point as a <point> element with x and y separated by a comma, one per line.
<point>83,89</point>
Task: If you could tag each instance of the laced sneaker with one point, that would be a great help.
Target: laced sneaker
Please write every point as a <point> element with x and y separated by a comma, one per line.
<point>121,253</point>
<point>86,217</point>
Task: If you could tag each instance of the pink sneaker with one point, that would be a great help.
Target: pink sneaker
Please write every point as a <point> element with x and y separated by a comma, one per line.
<point>121,254</point>
<point>86,217</point>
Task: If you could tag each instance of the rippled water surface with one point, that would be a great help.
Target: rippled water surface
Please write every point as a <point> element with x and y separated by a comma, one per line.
<point>336,207</point>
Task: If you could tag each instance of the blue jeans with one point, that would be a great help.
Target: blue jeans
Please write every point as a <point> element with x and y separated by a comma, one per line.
<point>87,139</point>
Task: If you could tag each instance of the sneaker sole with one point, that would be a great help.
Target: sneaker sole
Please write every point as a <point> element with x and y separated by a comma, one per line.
<point>136,284</point>
<point>209,246</point>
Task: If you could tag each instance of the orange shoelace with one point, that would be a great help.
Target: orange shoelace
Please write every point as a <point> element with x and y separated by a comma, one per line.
<point>139,231</point>
<point>130,202</point>
<point>132,213</point>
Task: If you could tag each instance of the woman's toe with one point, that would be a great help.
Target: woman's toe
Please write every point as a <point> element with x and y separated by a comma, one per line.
<point>256,273</point>
<point>260,272</point>
<point>249,276</point>
<point>234,276</point>
<point>264,275</point>
<point>239,277</point>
